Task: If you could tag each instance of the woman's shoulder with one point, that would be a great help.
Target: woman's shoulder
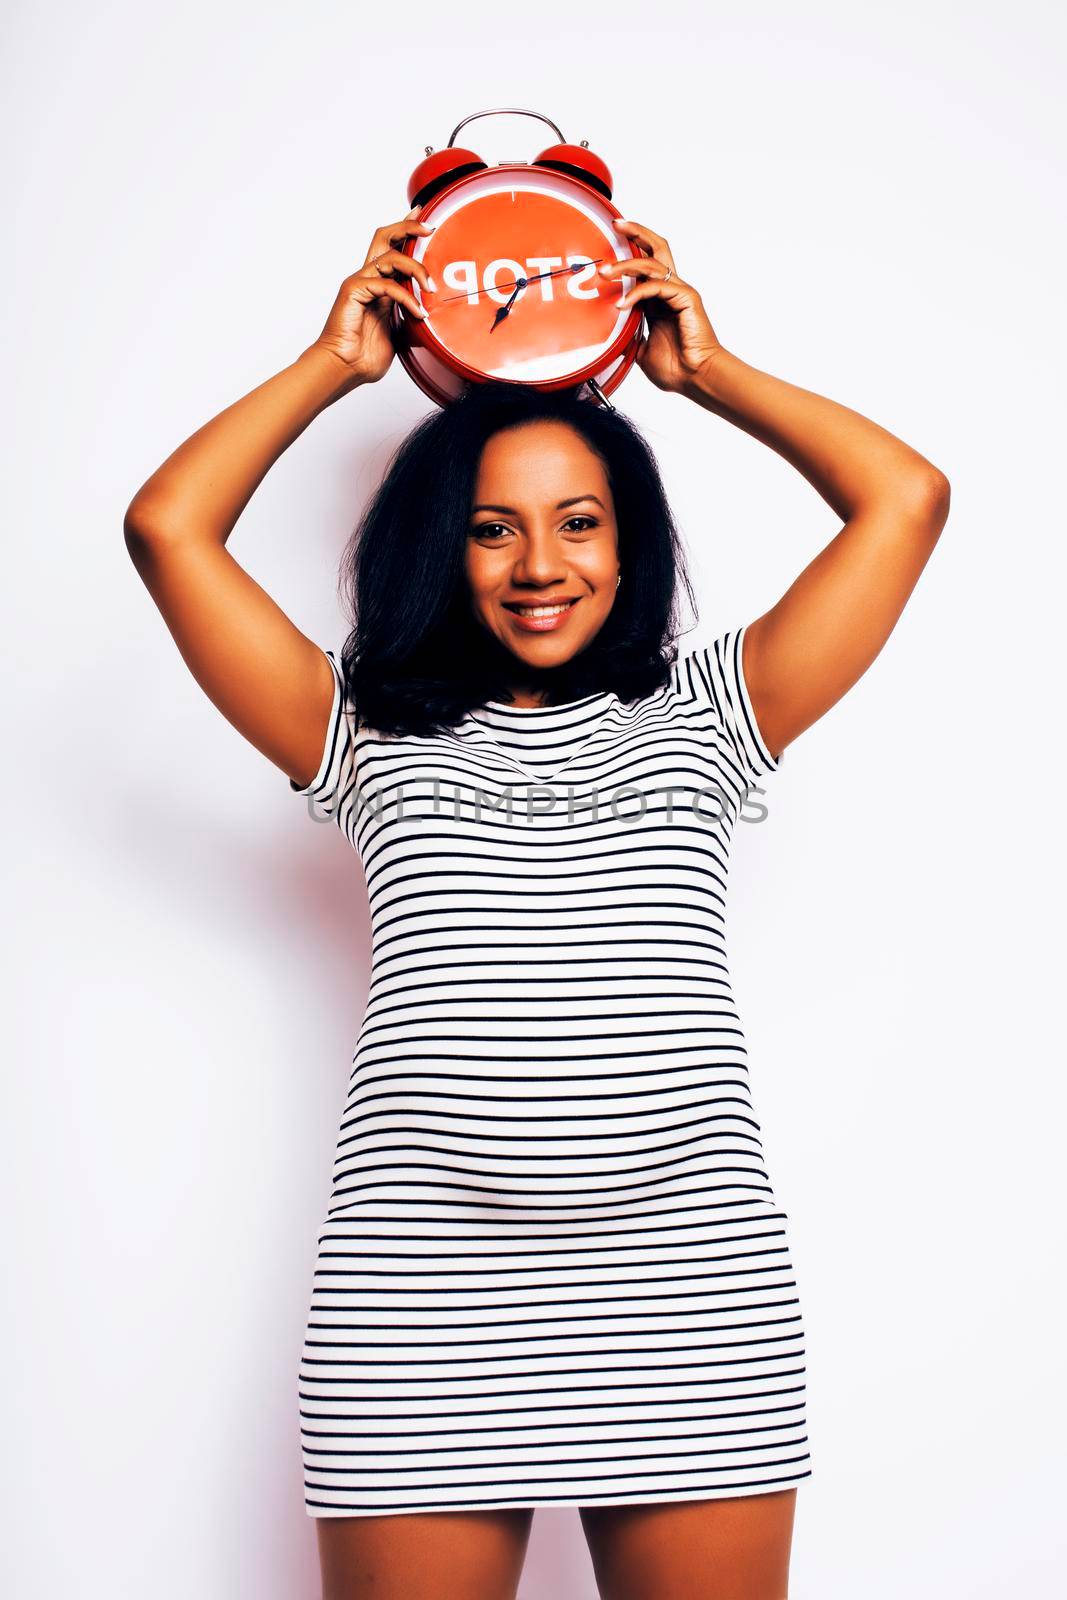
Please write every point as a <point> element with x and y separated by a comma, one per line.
<point>712,675</point>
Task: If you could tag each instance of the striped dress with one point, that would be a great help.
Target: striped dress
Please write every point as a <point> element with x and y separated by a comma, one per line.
<point>552,1269</point>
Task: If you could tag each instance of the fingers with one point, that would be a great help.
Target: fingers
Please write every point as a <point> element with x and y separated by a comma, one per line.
<point>651,272</point>
<point>654,243</point>
<point>637,267</point>
<point>396,232</point>
<point>374,288</point>
<point>673,290</point>
<point>392,261</point>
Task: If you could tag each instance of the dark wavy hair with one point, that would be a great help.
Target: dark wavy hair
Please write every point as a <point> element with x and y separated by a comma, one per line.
<point>417,659</point>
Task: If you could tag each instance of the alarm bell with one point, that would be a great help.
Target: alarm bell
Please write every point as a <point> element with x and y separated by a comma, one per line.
<point>442,167</point>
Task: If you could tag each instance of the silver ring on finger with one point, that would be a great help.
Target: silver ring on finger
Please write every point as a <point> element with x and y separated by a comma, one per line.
<point>667,275</point>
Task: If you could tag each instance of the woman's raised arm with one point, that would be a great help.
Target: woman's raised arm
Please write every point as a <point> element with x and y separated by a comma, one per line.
<point>266,677</point>
<point>808,650</point>
<point>813,644</point>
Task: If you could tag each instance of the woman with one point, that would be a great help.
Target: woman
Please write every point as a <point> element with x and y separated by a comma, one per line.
<point>552,1271</point>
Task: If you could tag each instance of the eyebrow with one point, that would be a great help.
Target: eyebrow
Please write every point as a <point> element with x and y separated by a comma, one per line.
<point>575,500</point>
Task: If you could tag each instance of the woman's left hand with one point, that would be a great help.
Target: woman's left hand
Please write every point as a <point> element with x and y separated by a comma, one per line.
<point>680,337</point>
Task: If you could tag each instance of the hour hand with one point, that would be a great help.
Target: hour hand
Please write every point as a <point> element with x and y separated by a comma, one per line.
<point>502,311</point>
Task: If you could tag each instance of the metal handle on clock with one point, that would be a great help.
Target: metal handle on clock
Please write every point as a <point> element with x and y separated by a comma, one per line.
<point>505,111</point>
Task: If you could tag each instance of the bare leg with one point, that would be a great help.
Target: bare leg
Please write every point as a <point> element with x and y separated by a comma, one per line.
<point>734,1548</point>
<point>433,1555</point>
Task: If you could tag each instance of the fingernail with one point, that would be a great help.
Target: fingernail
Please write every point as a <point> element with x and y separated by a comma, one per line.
<point>605,271</point>
<point>430,284</point>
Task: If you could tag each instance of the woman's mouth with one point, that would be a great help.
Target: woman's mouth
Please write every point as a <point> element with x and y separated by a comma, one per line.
<point>540,618</point>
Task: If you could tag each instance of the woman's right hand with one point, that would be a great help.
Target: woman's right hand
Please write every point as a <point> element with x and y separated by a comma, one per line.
<point>357,329</point>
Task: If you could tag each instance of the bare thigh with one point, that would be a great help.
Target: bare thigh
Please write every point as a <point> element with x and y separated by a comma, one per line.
<point>433,1555</point>
<point>734,1548</point>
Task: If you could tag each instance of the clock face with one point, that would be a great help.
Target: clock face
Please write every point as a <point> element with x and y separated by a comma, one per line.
<point>494,229</point>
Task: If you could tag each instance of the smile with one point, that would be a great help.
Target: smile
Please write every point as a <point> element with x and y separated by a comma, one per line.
<point>552,610</point>
<point>540,617</point>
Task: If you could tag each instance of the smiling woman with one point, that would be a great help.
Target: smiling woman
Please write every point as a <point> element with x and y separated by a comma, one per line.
<point>464,589</point>
<point>553,1268</point>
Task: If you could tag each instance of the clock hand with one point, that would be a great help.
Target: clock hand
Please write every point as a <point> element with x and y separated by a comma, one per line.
<point>502,311</point>
<point>558,272</point>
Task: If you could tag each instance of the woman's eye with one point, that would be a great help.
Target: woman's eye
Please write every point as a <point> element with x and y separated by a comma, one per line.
<point>489,529</point>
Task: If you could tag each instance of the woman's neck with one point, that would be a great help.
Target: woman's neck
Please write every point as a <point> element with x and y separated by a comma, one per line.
<point>525,696</point>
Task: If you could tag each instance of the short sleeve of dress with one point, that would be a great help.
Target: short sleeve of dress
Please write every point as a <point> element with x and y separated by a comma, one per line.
<point>718,675</point>
<point>334,783</point>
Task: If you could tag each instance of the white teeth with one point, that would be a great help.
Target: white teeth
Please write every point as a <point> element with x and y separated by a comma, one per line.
<point>542,611</point>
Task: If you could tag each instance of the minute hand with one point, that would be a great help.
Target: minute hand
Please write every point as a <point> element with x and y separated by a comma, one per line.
<point>558,272</point>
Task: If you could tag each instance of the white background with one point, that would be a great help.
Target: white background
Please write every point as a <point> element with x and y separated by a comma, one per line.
<point>867,201</point>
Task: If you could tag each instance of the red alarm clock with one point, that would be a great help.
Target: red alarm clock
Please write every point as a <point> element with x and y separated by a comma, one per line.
<point>515,257</point>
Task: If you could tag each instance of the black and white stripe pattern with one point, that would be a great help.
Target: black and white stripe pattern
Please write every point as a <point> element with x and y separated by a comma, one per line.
<point>552,1270</point>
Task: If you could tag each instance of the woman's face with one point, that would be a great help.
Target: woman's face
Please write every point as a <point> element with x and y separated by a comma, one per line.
<point>542,550</point>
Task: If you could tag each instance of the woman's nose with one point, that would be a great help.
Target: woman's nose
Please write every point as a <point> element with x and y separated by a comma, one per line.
<point>539,564</point>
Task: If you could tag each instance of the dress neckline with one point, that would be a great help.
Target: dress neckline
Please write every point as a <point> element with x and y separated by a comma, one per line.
<point>567,705</point>
<point>495,721</point>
